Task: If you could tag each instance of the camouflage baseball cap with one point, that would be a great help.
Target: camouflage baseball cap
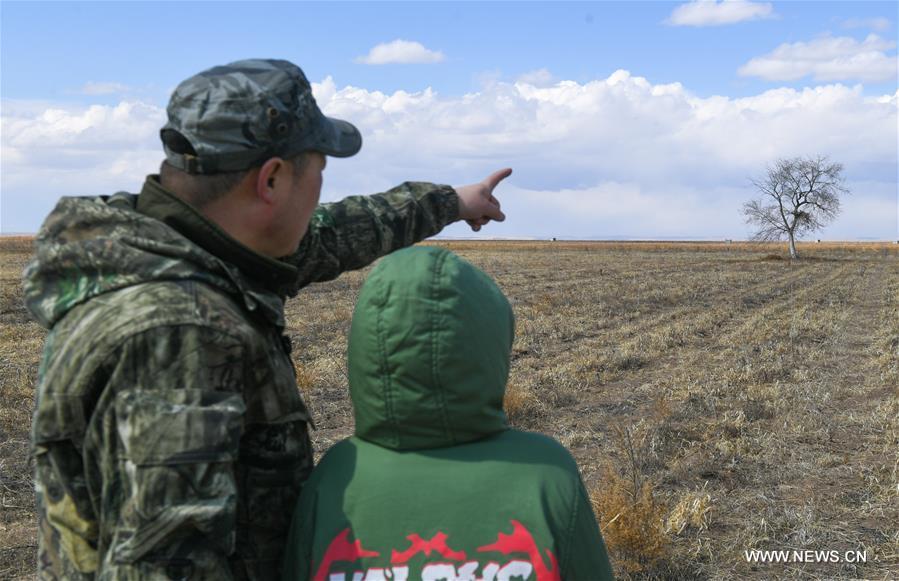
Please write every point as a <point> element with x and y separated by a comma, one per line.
<point>232,117</point>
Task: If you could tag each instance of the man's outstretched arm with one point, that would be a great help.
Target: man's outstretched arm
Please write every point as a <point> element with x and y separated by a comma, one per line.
<point>354,232</point>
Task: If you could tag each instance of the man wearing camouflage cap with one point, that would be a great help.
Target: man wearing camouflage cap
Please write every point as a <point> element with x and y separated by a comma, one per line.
<point>170,439</point>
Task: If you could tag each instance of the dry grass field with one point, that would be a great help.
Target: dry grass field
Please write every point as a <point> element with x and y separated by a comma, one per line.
<point>717,397</point>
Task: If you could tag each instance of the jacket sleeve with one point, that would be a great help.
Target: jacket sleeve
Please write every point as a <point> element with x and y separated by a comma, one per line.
<point>167,453</point>
<point>354,232</point>
<point>585,557</point>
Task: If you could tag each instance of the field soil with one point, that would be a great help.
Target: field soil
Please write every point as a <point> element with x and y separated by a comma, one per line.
<point>718,398</point>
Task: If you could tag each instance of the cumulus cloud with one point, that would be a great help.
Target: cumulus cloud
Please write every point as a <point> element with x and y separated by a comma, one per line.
<point>98,127</point>
<point>880,23</point>
<point>826,59</point>
<point>669,161</point>
<point>617,156</point>
<point>605,123</point>
<point>400,52</point>
<point>56,150</point>
<point>718,12</point>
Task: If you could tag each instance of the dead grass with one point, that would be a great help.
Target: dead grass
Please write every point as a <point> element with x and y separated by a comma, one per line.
<point>21,341</point>
<point>521,404</point>
<point>632,524</point>
<point>717,397</point>
<point>692,510</point>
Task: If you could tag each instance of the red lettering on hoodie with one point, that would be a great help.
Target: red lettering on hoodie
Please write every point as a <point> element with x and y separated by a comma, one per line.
<point>419,545</point>
<point>340,549</point>
<point>521,541</point>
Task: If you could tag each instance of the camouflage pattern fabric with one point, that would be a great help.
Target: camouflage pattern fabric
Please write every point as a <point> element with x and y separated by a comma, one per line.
<point>169,436</point>
<point>242,113</point>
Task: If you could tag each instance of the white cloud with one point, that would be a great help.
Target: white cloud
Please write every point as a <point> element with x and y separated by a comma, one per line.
<point>539,77</point>
<point>98,127</point>
<point>618,156</point>
<point>616,116</point>
<point>880,24</point>
<point>105,88</point>
<point>826,59</point>
<point>400,52</point>
<point>50,151</point>
<point>716,13</point>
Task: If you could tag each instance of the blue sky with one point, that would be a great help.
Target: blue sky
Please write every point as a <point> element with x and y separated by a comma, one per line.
<point>605,110</point>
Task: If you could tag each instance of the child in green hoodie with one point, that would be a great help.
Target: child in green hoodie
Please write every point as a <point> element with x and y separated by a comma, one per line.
<point>434,484</point>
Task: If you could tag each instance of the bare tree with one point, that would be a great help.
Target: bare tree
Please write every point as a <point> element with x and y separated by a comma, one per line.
<point>799,196</point>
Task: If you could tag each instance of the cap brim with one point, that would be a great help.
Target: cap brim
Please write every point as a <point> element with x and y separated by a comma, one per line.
<point>338,138</point>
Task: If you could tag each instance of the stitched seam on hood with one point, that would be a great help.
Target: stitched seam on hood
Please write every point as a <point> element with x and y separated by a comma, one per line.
<point>386,383</point>
<point>436,317</point>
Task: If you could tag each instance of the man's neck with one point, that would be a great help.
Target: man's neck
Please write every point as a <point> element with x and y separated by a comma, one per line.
<point>207,232</point>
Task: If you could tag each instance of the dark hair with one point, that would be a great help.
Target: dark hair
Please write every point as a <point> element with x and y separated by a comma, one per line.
<point>200,190</point>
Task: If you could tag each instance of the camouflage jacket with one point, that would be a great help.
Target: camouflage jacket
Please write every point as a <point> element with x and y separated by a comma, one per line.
<point>170,439</point>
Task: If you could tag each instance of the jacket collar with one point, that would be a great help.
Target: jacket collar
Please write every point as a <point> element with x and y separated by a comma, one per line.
<point>157,202</point>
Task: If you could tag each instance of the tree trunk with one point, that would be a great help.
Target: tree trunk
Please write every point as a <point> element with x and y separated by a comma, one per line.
<point>793,253</point>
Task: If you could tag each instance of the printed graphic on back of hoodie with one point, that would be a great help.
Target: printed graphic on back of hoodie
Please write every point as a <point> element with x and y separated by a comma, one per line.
<point>511,556</point>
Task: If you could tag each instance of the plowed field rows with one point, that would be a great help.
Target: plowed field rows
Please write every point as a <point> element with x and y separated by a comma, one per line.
<point>718,399</point>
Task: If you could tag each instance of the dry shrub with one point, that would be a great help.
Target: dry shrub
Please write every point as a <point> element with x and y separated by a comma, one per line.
<point>305,378</point>
<point>632,523</point>
<point>693,511</point>
<point>631,516</point>
<point>521,404</point>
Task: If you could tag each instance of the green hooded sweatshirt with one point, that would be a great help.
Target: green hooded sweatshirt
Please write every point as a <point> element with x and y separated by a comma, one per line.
<point>434,485</point>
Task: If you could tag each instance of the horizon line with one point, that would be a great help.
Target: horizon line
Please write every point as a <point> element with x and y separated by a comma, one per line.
<point>610,239</point>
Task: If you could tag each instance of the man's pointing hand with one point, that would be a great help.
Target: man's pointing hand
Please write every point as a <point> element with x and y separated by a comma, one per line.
<point>477,206</point>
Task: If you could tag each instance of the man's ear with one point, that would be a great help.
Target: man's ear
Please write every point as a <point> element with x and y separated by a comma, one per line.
<point>270,171</point>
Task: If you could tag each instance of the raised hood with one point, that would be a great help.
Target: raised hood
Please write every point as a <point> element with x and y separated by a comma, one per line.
<point>429,352</point>
<point>91,246</point>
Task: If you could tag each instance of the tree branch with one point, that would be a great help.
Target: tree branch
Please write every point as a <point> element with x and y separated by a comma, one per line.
<point>806,189</point>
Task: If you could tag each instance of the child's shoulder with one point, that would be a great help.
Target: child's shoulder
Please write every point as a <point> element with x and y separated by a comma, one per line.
<point>340,458</point>
<point>533,447</point>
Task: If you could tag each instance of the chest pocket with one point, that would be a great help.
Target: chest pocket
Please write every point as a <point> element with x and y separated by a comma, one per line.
<point>59,417</point>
